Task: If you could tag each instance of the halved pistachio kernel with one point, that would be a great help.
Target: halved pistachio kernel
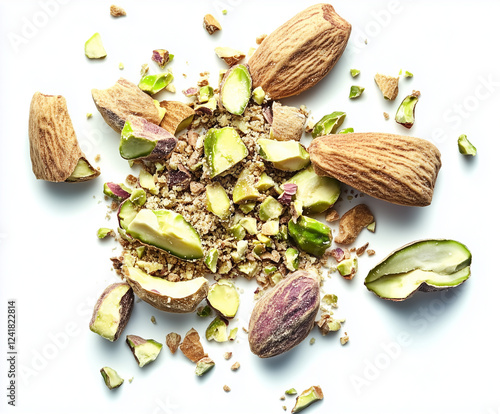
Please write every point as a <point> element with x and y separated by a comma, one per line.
<point>218,201</point>
<point>94,48</point>
<point>426,265</point>
<point>307,397</point>
<point>104,232</point>
<point>355,92</point>
<point>204,365</point>
<point>211,259</point>
<point>153,84</point>
<point>405,114</point>
<point>284,155</point>
<point>217,330</point>
<point>465,147</point>
<point>310,235</point>
<point>236,89</point>
<point>224,298</point>
<point>82,172</point>
<point>224,148</point>
<point>111,378</point>
<point>328,124</point>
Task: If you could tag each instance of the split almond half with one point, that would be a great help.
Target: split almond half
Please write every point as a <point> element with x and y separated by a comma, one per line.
<point>55,153</point>
<point>301,52</point>
<point>395,168</point>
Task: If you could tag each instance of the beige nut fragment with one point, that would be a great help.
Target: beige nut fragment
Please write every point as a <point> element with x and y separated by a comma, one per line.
<point>300,53</point>
<point>388,85</point>
<point>178,116</point>
<point>352,222</point>
<point>229,55</point>
<point>395,168</point>
<point>54,148</point>
<point>210,24</point>
<point>173,341</point>
<point>125,98</point>
<point>191,346</point>
<point>117,11</point>
<point>288,123</point>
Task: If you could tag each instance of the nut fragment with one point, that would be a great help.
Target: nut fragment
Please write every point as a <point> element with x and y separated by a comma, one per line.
<point>117,11</point>
<point>173,341</point>
<point>211,24</point>
<point>229,55</point>
<point>388,86</point>
<point>191,346</point>
<point>352,222</point>
<point>54,150</point>
<point>178,116</point>
<point>288,123</point>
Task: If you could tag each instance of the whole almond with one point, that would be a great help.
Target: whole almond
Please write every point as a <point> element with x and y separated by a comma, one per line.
<point>284,316</point>
<point>300,53</point>
<point>395,168</point>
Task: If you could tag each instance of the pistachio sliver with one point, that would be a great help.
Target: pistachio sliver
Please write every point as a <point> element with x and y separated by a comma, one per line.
<point>465,147</point>
<point>94,48</point>
<point>328,124</point>
<point>155,83</point>
<point>355,92</point>
<point>405,114</point>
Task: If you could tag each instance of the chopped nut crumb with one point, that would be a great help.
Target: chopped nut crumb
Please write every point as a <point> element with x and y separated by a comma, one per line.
<point>282,398</point>
<point>97,158</point>
<point>226,388</point>
<point>235,366</point>
<point>370,252</point>
<point>260,38</point>
<point>117,11</point>
<point>344,339</point>
<point>386,115</point>
<point>153,319</point>
<point>332,215</point>
<point>362,249</point>
<point>228,355</point>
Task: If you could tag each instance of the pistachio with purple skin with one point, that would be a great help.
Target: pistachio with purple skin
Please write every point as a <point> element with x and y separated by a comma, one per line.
<point>289,190</point>
<point>116,191</point>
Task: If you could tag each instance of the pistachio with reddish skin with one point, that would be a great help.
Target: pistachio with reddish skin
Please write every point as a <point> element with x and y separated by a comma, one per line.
<point>285,315</point>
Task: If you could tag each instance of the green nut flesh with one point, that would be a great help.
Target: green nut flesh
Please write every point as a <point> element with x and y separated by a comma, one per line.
<point>224,298</point>
<point>245,188</point>
<point>217,201</point>
<point>348,267</point>
<point>211,259</point>
<point>284,155</point>
<point>258,95</point>
<point>270,209</point>
<point>355,92</point>
<point>111,378</point>
<point>217,330</point>
<point>138,197</point>
<point>292,259</point>
<point>204,365</point>
<point>307,397</point>
<point>465,147</point>
<point>205,93</point>
<point>315,193</point>
<point>155,83</point>
<point>94,48</point>
<point>310,235</point>
<point>82,172</point>
<point>223,149</point>
<point>103,232</point>
<point>328,124</point>
<point>355,72</point>
<point>166,230</point>
<point>236,89</point>
<point>145,351</point>
<point>405,114</point>
<point>425,265</point>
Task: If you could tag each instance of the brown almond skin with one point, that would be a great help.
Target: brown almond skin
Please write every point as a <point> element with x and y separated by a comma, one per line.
<point>54,148</point>
<point>301,52</point>
<point>352,222</point>
<point>177,112</point>
<point>395,168</point>
<point>123,99</point>
<point>126,306</point>
<point>285,315</point>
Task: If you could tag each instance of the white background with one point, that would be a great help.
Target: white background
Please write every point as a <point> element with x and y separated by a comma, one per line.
<point>434,353</point>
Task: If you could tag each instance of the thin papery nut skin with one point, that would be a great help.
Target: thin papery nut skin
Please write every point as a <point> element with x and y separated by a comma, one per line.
<point>285,315</point>
<point>54,148</point>
<point>115,104</point>
<point>395,168</point>
<point>301,52</point>
<point>176,113</point>
<point>288,123</point>
<point>352,222</point>
<point>191,346</point>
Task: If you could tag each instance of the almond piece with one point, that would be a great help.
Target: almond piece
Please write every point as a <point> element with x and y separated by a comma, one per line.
<point>388,85</point>
<point>301,52</point>
<point>395,168</point>
<point>352,222</point>
<point>191,346</point>
<point>229,55</point>
<point>288,123</point>
<point>178,116</point>
<point>211,24</point>
<point>54,148</point>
